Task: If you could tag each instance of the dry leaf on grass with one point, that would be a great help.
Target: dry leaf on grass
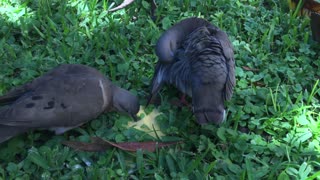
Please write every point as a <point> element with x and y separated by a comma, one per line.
<point>99,144</point>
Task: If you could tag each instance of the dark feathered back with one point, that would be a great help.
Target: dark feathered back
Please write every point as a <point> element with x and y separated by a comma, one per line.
<point>172,39</point>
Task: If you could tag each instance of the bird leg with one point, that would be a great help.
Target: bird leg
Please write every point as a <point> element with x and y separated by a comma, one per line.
<point>315,26</point>
<point>182,102</point>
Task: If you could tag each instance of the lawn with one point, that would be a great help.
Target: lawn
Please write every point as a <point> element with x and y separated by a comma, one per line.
<point>273,124</point>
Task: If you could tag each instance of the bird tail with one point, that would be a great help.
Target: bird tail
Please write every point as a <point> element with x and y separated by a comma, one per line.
<point>160,76</point>
<point>7,132</point>
<point>8,98</point>
<point>13,95</point>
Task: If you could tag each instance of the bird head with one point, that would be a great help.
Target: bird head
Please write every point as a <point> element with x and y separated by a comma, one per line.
<point>205,116</point>
<point>208,103</point>
<point>125,102</point>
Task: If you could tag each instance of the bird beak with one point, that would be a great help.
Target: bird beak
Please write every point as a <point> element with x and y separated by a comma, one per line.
<point>134,117</point>
<point>149,100</point>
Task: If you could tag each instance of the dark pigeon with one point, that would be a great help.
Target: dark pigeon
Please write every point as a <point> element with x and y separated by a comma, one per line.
<point>197,58</point>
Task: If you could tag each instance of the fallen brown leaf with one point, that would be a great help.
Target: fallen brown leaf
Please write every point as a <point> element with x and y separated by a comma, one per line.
<point>260,84</point>
<point>99,144</point>
<point>90,147</point>
<point>250,69</point>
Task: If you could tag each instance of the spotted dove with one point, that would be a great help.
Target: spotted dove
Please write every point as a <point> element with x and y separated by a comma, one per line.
<point>63,98</point>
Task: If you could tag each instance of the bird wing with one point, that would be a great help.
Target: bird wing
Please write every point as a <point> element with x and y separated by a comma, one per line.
<point>158,79</point>
<point>179,74</point>
<point>230,63</point>
<point>62,101</point>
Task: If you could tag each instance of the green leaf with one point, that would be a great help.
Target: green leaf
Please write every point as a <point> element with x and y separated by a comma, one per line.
<point>292,171</point>
<point>157,176</point>
<point>139,159</point>
<point>314,176</point>
<point>100,61</point>
<point>166,23</point>
<point>304,137</point>
<point>304,170</point>
<point>283,176</point>
<point>145,4</point>
<point>302,119</point>
<point>170,164</point>
<point>221,134</point>
<point>36,158</point>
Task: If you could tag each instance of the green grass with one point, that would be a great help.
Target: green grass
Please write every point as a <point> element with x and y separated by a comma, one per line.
<point>273,125</point>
